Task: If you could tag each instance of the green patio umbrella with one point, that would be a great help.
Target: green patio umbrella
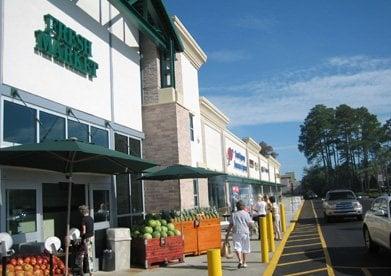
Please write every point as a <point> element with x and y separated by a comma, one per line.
<point>178,171</point>
<point>71,156</point>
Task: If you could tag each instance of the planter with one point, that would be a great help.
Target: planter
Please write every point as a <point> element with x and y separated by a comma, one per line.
<point>156,251</point>
<point>200,235</point>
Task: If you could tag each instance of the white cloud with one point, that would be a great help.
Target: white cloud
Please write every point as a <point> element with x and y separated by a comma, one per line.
<point>227,56</point>
<point>288,98</point>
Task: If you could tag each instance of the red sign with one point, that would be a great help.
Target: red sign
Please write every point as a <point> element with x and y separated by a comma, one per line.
<point>235,189</point>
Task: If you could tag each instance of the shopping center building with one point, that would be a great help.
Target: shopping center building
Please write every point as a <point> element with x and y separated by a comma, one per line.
<point>249,173</point>
<point>72,69</point>
<point>123,75</point>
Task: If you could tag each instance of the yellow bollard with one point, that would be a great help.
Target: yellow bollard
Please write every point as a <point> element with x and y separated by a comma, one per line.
<point>270,232</point>
<point>264,243</point>
<point>283,217</point>
<point>214,263</point>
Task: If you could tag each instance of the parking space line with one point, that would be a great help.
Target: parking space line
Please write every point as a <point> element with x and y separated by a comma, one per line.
<point>330,270</point>
<point>277,254</point>
<point>302,252</point>
<point>366,271</point>
<point>307,272</point>
<point>305,235</point>
<point>301,261</point>
<point>305,230</point>
<point>305,239</point>
<point>302,245</point>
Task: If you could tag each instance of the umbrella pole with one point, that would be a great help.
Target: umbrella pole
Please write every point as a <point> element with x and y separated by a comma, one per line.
<point>67,240</point>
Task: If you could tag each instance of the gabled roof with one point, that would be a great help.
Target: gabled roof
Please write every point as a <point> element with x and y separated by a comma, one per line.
<point>152,19</point>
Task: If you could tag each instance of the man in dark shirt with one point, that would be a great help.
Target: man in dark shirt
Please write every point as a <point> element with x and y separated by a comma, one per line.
<point>87,238</point>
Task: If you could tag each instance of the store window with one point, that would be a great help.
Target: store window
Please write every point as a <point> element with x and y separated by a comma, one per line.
<point>101,205</point>
<point>129,189</point>
<point>99,137</point>
<point>196,193</point>
<point>21,211</point>
<point>122,181</point>
<point>166,70</point>
<point>191,118</point>
<point>19,124</point>
<point>52,127</point>
<point>78,130</point>
<point>134,147</point>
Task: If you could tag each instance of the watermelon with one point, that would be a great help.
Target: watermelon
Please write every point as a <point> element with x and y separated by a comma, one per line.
<point>177,232</point>
<point>152,223</point>
<point>158,228</point>
<point>148,229</point>
<point>163,234</point>
<point>163,222</point>
<point>170,233</point>
<point>164,229</point>
<point>171,226</point>
<point>156,234</point>
<point>147,236</point>
<point>158,223</point>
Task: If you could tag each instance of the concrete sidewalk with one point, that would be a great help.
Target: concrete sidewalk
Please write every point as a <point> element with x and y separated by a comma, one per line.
<point>198,265</point>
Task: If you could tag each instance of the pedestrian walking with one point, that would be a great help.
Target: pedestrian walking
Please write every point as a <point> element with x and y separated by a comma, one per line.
<point>268,203</point>
<point>276,219</point>
<point>260,211</point>
<point>240,224</point>
<point>85,253</point>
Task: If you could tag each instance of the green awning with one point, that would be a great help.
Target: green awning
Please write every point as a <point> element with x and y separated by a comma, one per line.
<point>179,172</point>
<point>251,181</point>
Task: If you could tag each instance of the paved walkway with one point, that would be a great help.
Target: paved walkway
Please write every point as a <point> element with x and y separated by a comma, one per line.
<point>198,265</point>
<point>303,252</point>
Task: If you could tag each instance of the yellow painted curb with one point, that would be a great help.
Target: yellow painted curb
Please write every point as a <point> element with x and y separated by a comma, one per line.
<point>277,254</point>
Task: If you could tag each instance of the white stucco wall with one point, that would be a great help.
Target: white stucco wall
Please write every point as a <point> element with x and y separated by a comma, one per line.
<point>272,173</point>
<point>253,172</point>
<point>239,149</point>
<point>264,164</point>
<point>191,102</point>
<point>213,148</point>
<point>26,70</point>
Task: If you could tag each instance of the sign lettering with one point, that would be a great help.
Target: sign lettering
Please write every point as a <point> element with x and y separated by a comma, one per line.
<point>65,46</point>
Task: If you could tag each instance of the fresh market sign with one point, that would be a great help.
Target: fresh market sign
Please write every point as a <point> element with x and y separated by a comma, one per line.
<point>64,45</point>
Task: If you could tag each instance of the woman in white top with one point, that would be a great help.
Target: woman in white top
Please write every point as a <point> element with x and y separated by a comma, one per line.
<point>276,219</point>
<point>259,210</point>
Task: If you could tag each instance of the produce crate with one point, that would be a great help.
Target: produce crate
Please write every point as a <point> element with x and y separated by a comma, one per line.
<point>209,235</point>
<point>157,251</point>
<point>201,235</point>
<point>189,233</point>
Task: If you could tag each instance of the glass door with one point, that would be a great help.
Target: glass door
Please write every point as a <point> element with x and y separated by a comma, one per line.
<point>55,200</point>
<point>22,211</point>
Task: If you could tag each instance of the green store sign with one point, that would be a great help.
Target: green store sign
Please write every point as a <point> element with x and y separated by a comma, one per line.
<point>64,45</point>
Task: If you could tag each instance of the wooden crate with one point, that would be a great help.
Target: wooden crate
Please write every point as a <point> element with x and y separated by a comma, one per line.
<point>157,251</point>
<point>189,233</point>
<point>200,236</point>
<point>209,234</point>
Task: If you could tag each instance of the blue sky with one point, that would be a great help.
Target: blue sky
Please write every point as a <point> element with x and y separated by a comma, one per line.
<point>269,62</point>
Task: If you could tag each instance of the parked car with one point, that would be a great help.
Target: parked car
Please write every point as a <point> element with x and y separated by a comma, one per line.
<point>341,203</point>
<point>377,224</point>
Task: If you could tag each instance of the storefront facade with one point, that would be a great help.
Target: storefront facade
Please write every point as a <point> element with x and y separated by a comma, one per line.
<point>71,69</point>
<point>248,172</point>
<point>172,124</point>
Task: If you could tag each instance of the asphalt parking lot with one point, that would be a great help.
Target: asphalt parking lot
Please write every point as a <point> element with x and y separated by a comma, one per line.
<point>337,248</point>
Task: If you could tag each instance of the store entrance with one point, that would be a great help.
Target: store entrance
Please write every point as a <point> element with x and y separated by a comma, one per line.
<point>54,199</point>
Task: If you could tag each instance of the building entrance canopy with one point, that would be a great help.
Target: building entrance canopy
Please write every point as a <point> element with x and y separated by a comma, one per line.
<point>68,157</point>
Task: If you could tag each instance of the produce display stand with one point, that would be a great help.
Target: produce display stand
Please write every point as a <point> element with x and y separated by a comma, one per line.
<point>200,235</point>
<point>149,252</point>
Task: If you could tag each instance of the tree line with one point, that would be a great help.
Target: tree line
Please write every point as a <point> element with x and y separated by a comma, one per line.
<point>345,147</point>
